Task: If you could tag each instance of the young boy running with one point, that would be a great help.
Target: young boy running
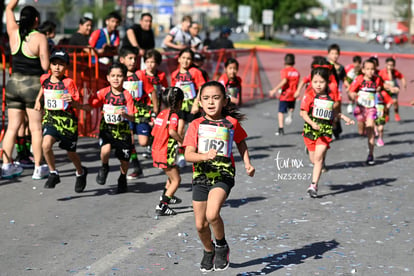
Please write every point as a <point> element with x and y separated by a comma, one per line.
<point>287,88</point>
<point>60,122</point>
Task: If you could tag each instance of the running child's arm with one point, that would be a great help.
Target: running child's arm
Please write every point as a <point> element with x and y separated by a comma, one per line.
<point>177,137</point>
<point>304,114</point>
<point>300,86</point>
<point>195,108</point>
<point>279,86</point>
<point>38,105</point>
<point>154,100</point>
<point>348,121</point>
<point>191,155</point>
<point>244,153</point>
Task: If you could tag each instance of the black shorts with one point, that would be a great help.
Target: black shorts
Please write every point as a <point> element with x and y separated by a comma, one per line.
<point>122,148</point>
<point>200,192</point>
<point>284,106</point>
<point>67,143</point>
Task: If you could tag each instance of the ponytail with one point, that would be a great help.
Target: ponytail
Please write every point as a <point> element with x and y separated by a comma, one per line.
<point>27,20</point>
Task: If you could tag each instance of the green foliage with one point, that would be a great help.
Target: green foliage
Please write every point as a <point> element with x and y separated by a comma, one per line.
<point>217,23</point>
<point>99,12</point>
<point>63,7</point>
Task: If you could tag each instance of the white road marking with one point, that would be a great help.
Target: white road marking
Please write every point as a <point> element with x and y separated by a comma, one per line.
<point>116,256</point>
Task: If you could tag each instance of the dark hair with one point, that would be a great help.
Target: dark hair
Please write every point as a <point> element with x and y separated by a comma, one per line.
<point>231,61</point>
<point>27,20</point>
<point>375,60</point>
<point>290,59</point>
<point>115,15</point>
<point>321,71</point>
<point>117,65</point>
<point>126,50</point>
<point>334,47</point>
<point>172,97</point>
<point>370,60</point>
<point>230,109</point>
<point>146,14</point>
<point>357,59</point>
<point>47,27</point>
<point>186,50</point>
<point>85,19</point>
<point>152,53</point>
<point>187,18</point>
<point>390,59</point>
<point>320,61</point>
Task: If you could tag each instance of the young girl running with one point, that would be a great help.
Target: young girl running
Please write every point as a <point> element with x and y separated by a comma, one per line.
<point>231,81</point>
<point>208,143</point>
<point>317,109</point>
<point>164,147</point>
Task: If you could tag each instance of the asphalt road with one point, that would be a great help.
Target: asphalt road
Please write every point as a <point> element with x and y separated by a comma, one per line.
<point>361,223</point>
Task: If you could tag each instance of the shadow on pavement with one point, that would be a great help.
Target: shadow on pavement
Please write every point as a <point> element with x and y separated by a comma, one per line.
<point>291,257</point>
<point>236,203</point>
<point>343,188</point>
<point>251,149</point>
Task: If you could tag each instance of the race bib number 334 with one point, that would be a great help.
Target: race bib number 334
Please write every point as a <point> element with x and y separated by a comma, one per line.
<point>53,99</point>
<point>110,113</point>
<point>215,137</point>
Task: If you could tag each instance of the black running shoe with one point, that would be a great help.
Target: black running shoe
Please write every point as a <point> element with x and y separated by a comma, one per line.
<point>173,200</point>
<point>221,260</point>
<point>207,263</point>
<point>52,180</point>
<point>370,160</point>
<point>102,175</point>
<point>81,181</point>
<point>122,184</point>
<point>164,210</point>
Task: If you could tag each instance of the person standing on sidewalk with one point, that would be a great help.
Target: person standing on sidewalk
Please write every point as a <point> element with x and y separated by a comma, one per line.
<point>30,59</point>
<point>208,141</point>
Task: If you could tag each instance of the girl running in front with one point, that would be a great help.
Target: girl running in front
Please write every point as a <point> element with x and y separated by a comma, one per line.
<point>317,109</point>
<point>208,143</point>
<point>231,81</point>
<point>164,147</point>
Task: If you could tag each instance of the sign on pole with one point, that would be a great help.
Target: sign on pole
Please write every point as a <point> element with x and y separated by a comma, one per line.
<point>243,13</point>
<point>267,17</point>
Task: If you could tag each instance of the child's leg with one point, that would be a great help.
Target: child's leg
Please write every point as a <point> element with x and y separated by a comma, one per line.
<point>361,128</point>
<point>143,140</point>
<point>47,145</point>
<point>174,180</point>
<point>74,157</point>
<point>280,118</point>
<point>202,226</point>
<point>318,158</point>
<point>215,200</point>
<point>370,134</point>
<point>124,166</point>
<point>105,153</point>
<point>380,131</point>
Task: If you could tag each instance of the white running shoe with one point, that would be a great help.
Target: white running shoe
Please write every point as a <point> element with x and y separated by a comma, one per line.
<point>181,161</point>
<point>289,118</point>
<point>40,172</point>
<point>9,172</point>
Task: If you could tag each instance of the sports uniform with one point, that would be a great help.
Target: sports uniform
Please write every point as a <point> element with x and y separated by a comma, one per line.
<point>204,134</point>
<point>233,87</point>
<point>365,101</point>
<point>113,128</point>
<point>382,99</point>
<point>164,148</point>
<point>60,120</point>
<point>391,80</point>
<point>320,109</point>
<point>287,100</point>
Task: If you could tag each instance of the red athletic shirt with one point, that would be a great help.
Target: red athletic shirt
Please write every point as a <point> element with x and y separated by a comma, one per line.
<point>292,76</point>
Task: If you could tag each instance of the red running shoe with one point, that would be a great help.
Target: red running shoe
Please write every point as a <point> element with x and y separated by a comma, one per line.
<point>397,117</point>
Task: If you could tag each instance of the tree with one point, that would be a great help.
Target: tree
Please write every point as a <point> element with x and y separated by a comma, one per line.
<point>403,10</point>
<point>63,7</point>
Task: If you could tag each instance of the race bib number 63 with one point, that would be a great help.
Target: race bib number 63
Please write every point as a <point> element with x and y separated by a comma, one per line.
<point>215,137</point>
<point>53,99</point>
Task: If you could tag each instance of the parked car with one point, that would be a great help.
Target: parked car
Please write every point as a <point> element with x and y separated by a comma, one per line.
<point>311,33</point>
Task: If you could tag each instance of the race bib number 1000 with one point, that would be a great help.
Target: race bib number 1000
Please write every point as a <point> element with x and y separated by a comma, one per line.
<point>322,109</point>
<point>110,113</point>
<point>53,99</point>
<point>215,137</point>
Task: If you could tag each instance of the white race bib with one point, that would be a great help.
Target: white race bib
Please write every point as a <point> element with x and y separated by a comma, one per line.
<point>366,99</point>
<point>188,89</point>
<point>53,99</point>
<point>134,88</point>
<point>322,109</point>
<point>215,137</point>
<point>110,113</point>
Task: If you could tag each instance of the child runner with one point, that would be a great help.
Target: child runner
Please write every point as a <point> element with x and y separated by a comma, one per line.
<point>208,144</point>
<point>318,112</point>
<point>60,122</point>
<point>198,63</point>
<point>286,88</point>
<point>363,90</point>
<point>154,81</point>
<point>334,52</point>
<point>231,81</point>
<point>164,147</point>
<point>114,131</point>
<point>189,79</point>
<point>383,101</point>
<point>352,71</point>
<point>390,75</point>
